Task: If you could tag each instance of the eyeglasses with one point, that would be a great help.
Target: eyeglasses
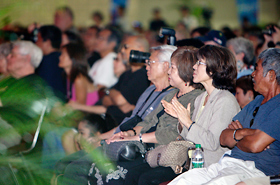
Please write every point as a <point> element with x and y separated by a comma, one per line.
<point>200,63</point>
<point>254,114</point>
<point>149,62</point>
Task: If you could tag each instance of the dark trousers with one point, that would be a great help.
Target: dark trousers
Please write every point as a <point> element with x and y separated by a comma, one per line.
<point>145,175</point>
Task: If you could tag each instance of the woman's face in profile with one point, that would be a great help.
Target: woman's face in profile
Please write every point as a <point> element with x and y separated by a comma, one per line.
<point>64,60</point>
<point>243,99</point>
<point>173,75</point>
<point>199,74</point>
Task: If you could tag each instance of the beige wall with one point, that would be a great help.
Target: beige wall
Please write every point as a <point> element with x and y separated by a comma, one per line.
<point>225,13</point>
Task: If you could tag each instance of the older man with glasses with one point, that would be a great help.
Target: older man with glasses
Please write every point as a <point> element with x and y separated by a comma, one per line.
<point>253,134</point>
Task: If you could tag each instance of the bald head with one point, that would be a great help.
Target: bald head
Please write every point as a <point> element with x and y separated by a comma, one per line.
<point>138,43</point>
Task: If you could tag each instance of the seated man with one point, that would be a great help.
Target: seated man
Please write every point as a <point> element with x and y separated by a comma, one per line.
<point>120,100</point>
<point>24,95</point>
<point>253,133</point>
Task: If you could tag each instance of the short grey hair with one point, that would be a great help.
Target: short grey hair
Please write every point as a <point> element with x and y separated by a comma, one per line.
<point>243,45</point>
<point>271,61</point>
<point>165,52</point>
<point>143,42</point>
<point>28,48</point>
<point>5,49</point>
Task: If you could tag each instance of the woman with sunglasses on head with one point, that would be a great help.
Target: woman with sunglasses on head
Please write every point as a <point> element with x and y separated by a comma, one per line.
<point>215,108</point>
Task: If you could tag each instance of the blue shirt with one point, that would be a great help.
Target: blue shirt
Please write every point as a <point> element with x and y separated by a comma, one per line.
<point>267,120</point>
<point>149,106</point>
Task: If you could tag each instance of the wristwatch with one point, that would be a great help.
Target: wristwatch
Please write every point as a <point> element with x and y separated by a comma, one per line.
<point>107,91</point>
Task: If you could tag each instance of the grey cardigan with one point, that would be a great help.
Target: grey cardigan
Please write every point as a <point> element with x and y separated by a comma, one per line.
<point>166,130</point>
<point>217,114</point>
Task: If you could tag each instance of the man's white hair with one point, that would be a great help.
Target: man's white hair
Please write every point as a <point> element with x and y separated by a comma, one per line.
<point>28,48</point>
<point>165,52</point>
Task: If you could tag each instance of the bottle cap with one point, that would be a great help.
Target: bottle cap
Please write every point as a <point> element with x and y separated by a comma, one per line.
<point>197,146</point>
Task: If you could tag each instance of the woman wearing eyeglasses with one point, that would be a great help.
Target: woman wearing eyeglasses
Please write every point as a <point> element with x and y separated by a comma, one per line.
<point>215,108</point>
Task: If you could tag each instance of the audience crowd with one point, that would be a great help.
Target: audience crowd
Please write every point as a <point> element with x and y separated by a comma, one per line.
<point>217,88</point>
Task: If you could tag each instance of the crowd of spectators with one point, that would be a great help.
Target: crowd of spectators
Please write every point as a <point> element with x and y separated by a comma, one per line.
<point>217,88</point>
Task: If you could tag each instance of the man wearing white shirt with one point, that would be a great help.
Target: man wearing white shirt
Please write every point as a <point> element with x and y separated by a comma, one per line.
<point>102,72</point>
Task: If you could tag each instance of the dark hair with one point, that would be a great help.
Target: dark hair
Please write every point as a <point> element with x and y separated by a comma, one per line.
<point>98,14</point>
<point>185,59</point>
<point>95,27</point>
<point>115,36</point>
<point>52,33</point>
<point>246,84</point>
<point>73,37</point>
<point>201,30</point>
<point>190,42</point>
<point>77,54</point>
<point>220,66</point>
<point>95,123</point>
<point>67,10</point>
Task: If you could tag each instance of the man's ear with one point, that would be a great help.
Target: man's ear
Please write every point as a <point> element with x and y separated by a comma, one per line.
<point>166,66</point>
<point>271,75</point>
<point>250,94</point>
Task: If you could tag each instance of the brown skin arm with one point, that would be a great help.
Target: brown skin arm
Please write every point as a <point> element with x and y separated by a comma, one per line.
<point>254,143</point>
<point>81,90</point>
<point>251,140</point>
<point>107,101</point>
<point>117,97</point>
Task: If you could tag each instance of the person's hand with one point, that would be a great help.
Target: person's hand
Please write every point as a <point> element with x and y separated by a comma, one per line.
<point>117,136</point>
<point>182,112</point>
<point>125,138</point>
<point>276,35</point>
<point>31,27</point>
<point>235,125</point>
<point>168,108</point>
<point>73,104</point>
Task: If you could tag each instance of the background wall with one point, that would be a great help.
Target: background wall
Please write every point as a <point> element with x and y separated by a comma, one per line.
<point>26,12</point>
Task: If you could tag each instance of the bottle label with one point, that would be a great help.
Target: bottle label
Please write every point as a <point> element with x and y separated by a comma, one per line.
<point>198,164</point>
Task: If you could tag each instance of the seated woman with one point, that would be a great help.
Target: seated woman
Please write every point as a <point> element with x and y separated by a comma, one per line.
<point>245,92</point>
<point>159,128</point>
<point>214,109</point>
<point>74,63</point>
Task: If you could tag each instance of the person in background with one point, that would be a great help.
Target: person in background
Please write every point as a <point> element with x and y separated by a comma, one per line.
<point>214,37</point>
<point>90,40</point>
<point>199,32</point>
<point>64,19</point>
<point>189,20</point>
<point>5,50</point>
<point>97,18</point>
<point>243,51</point>
<point>120,100</point>
<point>101,72</point>
<point>49,40</point>
<point>74,63</point>
<point>157,22</point>
<point>70,37</point>
<point>244,90</point>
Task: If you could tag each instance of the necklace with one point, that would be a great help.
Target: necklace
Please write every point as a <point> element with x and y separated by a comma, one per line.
<point>181,95</point>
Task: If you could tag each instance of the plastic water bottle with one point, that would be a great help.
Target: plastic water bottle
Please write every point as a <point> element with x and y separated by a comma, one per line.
<point>198,157</point>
